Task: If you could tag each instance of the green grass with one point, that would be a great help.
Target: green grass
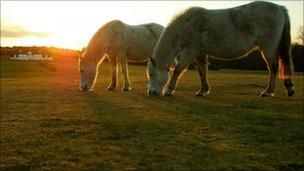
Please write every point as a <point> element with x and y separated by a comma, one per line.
<point>47,123</point>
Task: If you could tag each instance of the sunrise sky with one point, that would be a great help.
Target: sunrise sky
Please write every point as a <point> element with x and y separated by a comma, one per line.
<point>71,24</point>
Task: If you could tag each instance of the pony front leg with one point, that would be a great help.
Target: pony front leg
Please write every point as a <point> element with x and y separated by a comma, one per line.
<point>114,69</point>
<point>124,71</point>
<point>184,61</point>
<point>202,66</point>
<point>172,84</point>
<point>270,90</point>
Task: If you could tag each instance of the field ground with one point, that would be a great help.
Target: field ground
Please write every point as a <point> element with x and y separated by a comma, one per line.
<point>47,123</point>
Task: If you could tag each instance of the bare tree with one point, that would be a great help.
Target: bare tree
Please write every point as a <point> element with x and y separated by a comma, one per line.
<point>300,36</point>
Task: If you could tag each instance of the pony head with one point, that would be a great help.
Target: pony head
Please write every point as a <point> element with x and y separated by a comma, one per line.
<point>158,79</point>
<point>88,72</point>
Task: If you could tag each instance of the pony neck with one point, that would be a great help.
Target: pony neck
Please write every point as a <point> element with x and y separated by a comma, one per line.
<point>95,56</point>
<point>167,63</point>
<point>167,48</point>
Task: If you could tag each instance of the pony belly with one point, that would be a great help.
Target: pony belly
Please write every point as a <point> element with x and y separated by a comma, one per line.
<point>138,57</point>
<point>139,52</point>
<point>231,50</point>
<point>229,55</point>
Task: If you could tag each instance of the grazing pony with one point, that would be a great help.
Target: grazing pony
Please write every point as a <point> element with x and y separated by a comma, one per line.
<point>224,34</point>
<point>118,42</point>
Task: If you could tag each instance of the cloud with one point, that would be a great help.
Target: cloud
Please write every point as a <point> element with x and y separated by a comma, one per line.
<point>15,31</point>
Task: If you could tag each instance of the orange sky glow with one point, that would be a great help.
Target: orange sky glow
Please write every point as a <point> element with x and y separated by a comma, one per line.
<point>71,24</point>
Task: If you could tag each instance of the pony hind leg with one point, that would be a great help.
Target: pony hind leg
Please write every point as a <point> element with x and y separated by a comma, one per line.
<point>286,69</point>
<point>271,60</point>
<point>273,66</point>
<point>114,69</point>
<point>289,86</point>
<point>125,74</point>
<point>202,66</point>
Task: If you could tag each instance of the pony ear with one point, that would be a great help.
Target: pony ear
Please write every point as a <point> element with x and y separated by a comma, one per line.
<point>152,61</point>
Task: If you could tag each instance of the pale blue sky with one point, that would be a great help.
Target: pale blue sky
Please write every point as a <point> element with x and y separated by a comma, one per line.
<point>70,24</point>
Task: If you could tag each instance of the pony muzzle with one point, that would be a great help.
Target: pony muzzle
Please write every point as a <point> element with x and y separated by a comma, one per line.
<point>154,93</point>
<point>85,88</point>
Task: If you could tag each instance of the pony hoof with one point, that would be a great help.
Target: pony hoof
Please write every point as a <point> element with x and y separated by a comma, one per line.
<point>110,88</point>
<point>168,94</point>
<point>267,94</point>
<point>290,92</point>
<point>201,94</point>
<point>127,89</point>
<point>264,95</point>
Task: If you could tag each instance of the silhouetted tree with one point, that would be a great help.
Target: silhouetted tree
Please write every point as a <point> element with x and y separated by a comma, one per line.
<point>300,36</point>
<point>297,54</point>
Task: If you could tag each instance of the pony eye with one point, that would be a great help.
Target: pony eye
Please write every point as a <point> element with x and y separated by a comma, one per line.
<point>81,71</point>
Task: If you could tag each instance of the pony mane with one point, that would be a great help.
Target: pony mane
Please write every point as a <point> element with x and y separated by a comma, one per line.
<point>109,24</point>
<point>188,12</point>
<point>102,29</point>
<point>93,46</point>
<point>176,26</point>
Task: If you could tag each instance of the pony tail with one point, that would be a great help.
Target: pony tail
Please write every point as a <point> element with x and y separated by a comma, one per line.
<point>285,71</point>
<point>285,61</point>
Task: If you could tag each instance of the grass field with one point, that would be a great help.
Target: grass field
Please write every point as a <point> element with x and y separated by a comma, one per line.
<point>48,124</point>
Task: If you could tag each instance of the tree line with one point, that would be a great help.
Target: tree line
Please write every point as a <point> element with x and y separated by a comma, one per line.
<point>50,51</point>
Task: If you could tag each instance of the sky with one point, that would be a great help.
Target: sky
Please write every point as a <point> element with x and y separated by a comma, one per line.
<point>71,24</point>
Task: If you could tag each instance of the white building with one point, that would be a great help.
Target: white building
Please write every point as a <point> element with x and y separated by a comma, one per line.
<point>31,56</point>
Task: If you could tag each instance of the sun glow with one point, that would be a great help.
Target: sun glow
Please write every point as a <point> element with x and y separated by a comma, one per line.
<point>70,24</point>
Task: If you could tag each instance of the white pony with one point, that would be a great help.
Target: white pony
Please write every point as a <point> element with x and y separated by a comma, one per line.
<point>118,42</point>
<point>224,34</point>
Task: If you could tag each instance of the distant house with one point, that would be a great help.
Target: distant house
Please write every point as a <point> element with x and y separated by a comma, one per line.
<point>30,56</point>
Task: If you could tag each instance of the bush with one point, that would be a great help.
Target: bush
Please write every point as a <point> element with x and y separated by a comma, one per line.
<point>297,53</point>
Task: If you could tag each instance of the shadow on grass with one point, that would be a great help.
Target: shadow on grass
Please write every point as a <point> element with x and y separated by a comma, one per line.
<point>188,132</point>
<point>117,123</point>
<point>129,117</point>
<point>154,133</point>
